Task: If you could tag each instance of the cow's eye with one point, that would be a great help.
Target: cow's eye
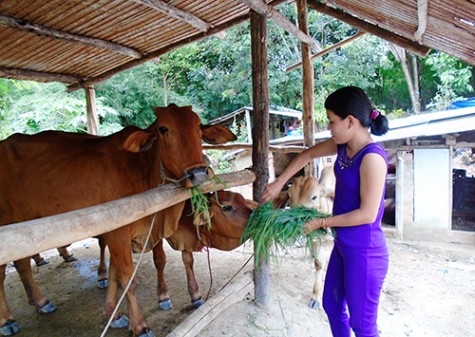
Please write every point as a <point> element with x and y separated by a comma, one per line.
<point>227,208</point>
<point>163,130</point>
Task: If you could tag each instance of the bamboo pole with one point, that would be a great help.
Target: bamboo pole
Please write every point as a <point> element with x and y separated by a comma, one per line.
<point>307,88</point>
<point>27,238</point>
<point>329,49</point>
<point>92,120</point>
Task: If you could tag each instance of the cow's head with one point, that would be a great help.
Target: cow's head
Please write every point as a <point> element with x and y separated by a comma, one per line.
<point>177,134</point>
<point>308,192</point>
<point>229,213</point>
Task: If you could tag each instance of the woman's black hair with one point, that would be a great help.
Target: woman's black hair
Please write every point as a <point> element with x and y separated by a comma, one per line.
<point>353,101</point>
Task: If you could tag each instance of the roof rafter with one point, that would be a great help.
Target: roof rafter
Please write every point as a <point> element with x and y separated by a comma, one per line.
<point>212,31</point>
<point>58,34</point>
<point>176,13</point>
<point>264,9</point>
<point>155,54</point>
<point>409,45</point>
<point>329,49</point>
<point>29,75</point>
<point>422,19</point>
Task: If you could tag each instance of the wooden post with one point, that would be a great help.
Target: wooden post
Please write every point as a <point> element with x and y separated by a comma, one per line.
<point>92,120</point>
<point>260,138</point>
<point>307,88</point>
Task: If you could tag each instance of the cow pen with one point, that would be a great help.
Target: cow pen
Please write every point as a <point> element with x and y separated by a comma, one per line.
<point>30,237</point>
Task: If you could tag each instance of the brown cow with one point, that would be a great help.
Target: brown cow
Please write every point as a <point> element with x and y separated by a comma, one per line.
<point>317,194</point>
<point>54,172</point>
<point>229,214</point>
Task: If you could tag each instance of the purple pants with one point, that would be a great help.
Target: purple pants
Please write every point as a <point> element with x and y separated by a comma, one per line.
<point>353,285</point>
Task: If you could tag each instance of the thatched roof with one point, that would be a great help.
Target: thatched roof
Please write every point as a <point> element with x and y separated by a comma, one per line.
<point>85,42</point>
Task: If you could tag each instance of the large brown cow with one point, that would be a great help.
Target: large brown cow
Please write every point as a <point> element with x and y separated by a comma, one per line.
<point>55,172</point>
<point>317,194</point>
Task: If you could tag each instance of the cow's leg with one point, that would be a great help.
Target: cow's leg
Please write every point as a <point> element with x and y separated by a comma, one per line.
<point>317,286</point>
<point>66,255</point>
<point>121,264</point>
<point>39,260</point>
<point>8,326</point>
<point>193,289</point>
<point>160,260</point>
<point>43,306</point>
<point>102,268</point>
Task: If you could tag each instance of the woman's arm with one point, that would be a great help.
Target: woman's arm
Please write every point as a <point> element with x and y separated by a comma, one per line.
<point>372,181</point>
<point>325,148</point>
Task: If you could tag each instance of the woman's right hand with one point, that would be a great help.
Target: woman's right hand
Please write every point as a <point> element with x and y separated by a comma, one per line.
<point>272,191</point>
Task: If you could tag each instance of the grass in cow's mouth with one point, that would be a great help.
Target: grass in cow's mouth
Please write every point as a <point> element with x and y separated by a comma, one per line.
<point>200,207</point>
<point>273,229</point>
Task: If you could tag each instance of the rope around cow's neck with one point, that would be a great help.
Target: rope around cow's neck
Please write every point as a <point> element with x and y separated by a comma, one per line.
<point>111,318</point>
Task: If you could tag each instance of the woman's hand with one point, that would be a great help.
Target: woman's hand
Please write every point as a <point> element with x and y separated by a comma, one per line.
<point>312,225</point>
<point>272,191</point>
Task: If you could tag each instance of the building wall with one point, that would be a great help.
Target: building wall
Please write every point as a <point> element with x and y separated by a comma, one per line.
<point>432,188</point>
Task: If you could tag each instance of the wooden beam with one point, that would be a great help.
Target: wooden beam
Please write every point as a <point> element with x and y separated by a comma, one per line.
<point>31,27</point>
<point>329,49</point>
<point>205,314</point>
<point>27,238</point>
<point>176,13</point>
<point>24,74</point>
<point>245,146</point>
<point>422,19</point>
<point>264,9</point>
<point>407,44</point>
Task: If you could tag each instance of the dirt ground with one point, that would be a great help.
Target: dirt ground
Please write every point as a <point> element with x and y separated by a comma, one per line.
<point>429,291</point>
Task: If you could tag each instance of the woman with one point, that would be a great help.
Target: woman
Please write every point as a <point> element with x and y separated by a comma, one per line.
<point>359,259</point>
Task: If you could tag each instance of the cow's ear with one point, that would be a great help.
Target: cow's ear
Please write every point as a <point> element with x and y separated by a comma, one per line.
<point>138,141</point>
<point>217,134</point>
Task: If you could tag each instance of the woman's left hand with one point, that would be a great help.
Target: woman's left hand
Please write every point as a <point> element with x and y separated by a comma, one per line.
<point>310,226</point>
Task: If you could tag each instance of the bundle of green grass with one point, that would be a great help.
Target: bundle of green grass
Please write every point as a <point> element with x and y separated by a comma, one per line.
<point>275,229</point>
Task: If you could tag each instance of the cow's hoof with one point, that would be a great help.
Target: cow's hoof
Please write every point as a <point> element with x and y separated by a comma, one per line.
<point>102,283</point>
<point>48,308</point>
<point>69,258</point>
<point>198,303</point>
<point>147,333</point>
<point>166,304</point>
<point>9,328</point>
<point>42,262</point>
<point>120,322</point>
<point>313,304</point>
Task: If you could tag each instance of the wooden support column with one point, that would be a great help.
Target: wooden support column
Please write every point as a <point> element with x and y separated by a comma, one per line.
<point>92,120</point>
<point>307,88</point>
<point>260,139</point>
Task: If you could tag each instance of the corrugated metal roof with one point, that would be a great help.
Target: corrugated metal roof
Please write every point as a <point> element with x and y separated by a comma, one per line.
<point>422,125</point>
<point>119,34</point>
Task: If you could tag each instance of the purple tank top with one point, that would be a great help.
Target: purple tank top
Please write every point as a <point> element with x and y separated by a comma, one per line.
<point>347,198</point>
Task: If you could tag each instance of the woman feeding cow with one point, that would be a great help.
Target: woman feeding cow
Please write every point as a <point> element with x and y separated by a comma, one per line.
<point>359,260</point>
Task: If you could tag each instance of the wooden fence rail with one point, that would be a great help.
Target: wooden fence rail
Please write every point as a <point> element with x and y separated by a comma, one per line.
<point>27,238</point>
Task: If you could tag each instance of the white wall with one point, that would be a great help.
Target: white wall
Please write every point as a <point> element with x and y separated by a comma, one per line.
<point>432,188</point>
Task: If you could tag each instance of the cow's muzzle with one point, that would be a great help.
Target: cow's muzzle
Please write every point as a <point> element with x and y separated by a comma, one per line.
<point>198,175</point>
